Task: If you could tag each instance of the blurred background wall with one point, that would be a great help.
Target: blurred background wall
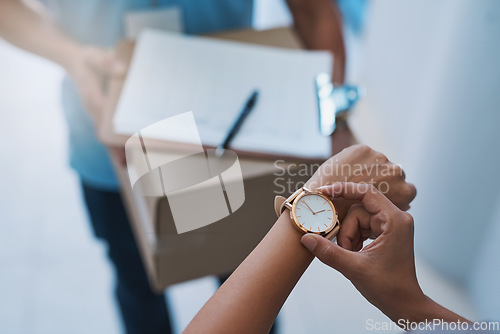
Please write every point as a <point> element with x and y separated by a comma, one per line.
<point>433,75</point>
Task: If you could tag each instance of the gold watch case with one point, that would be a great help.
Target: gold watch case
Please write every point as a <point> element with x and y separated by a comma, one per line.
<point>291,204</point>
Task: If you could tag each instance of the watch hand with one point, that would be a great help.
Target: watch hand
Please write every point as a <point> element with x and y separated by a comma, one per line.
<point>320,211</point>
<point>309,208</point>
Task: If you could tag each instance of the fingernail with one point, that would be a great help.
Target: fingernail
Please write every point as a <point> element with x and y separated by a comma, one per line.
<point>309,242</point>
<point>335,188</point>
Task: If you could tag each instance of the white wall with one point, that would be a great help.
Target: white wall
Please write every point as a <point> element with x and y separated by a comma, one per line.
<point>433,76</point>
<point>54,277</point>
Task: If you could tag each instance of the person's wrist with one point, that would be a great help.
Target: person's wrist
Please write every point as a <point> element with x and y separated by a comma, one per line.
<point>427,309</point>
<point>412,306</point>
<point>319,179</point>
<point>291,236</point>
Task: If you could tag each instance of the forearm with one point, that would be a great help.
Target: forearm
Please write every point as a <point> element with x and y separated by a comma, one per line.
<point>250,300</point>
<point>319,26</point>
<point>32,29</point>
<point>427,309</point>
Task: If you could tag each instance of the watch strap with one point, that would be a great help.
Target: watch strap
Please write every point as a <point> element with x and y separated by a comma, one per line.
<point>278,204</point>
<point>333,233</point>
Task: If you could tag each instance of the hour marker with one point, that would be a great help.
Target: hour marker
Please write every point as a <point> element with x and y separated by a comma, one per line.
<point>329,218</point>
<point>325,225</point>
<point>297,208</point>
<point>298,216</point>
<point>318,229</point>
<point>328,210</point>
<point>324,202</point>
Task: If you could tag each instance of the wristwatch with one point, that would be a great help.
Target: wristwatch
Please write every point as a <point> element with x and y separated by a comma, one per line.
<point>310,212</point>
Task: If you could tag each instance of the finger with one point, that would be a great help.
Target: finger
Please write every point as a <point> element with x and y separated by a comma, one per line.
<point>396,170</point>
<point>371,198</point>
<point>349,235</point>
<point>403,195</point>
<point>359,225</point>
<point>338,258</point>
<point>409,192</point>
<point>105,62</point>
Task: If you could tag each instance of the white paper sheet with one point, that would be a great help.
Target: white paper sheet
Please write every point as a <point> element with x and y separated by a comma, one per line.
<point>171,74</point>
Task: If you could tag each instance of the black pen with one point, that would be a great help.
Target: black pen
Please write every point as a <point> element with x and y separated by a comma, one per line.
<point>249,105</point>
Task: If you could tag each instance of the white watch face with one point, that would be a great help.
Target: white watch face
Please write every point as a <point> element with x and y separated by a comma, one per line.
<point>314,213</point>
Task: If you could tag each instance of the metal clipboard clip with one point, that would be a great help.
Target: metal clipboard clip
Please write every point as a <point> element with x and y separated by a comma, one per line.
<point>334,102</point>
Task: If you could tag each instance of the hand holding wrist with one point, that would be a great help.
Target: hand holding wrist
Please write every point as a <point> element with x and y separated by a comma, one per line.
<point>361,164</point>
<point>383,271</point>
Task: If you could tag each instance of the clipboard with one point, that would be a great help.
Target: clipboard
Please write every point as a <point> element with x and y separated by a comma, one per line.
<point>279,37</point>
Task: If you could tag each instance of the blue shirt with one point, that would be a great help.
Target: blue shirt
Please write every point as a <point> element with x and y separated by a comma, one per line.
<point>100,22</point>
<point>353,13</point>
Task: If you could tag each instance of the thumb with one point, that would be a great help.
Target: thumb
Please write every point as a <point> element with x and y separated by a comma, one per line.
<point>343,260</point>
